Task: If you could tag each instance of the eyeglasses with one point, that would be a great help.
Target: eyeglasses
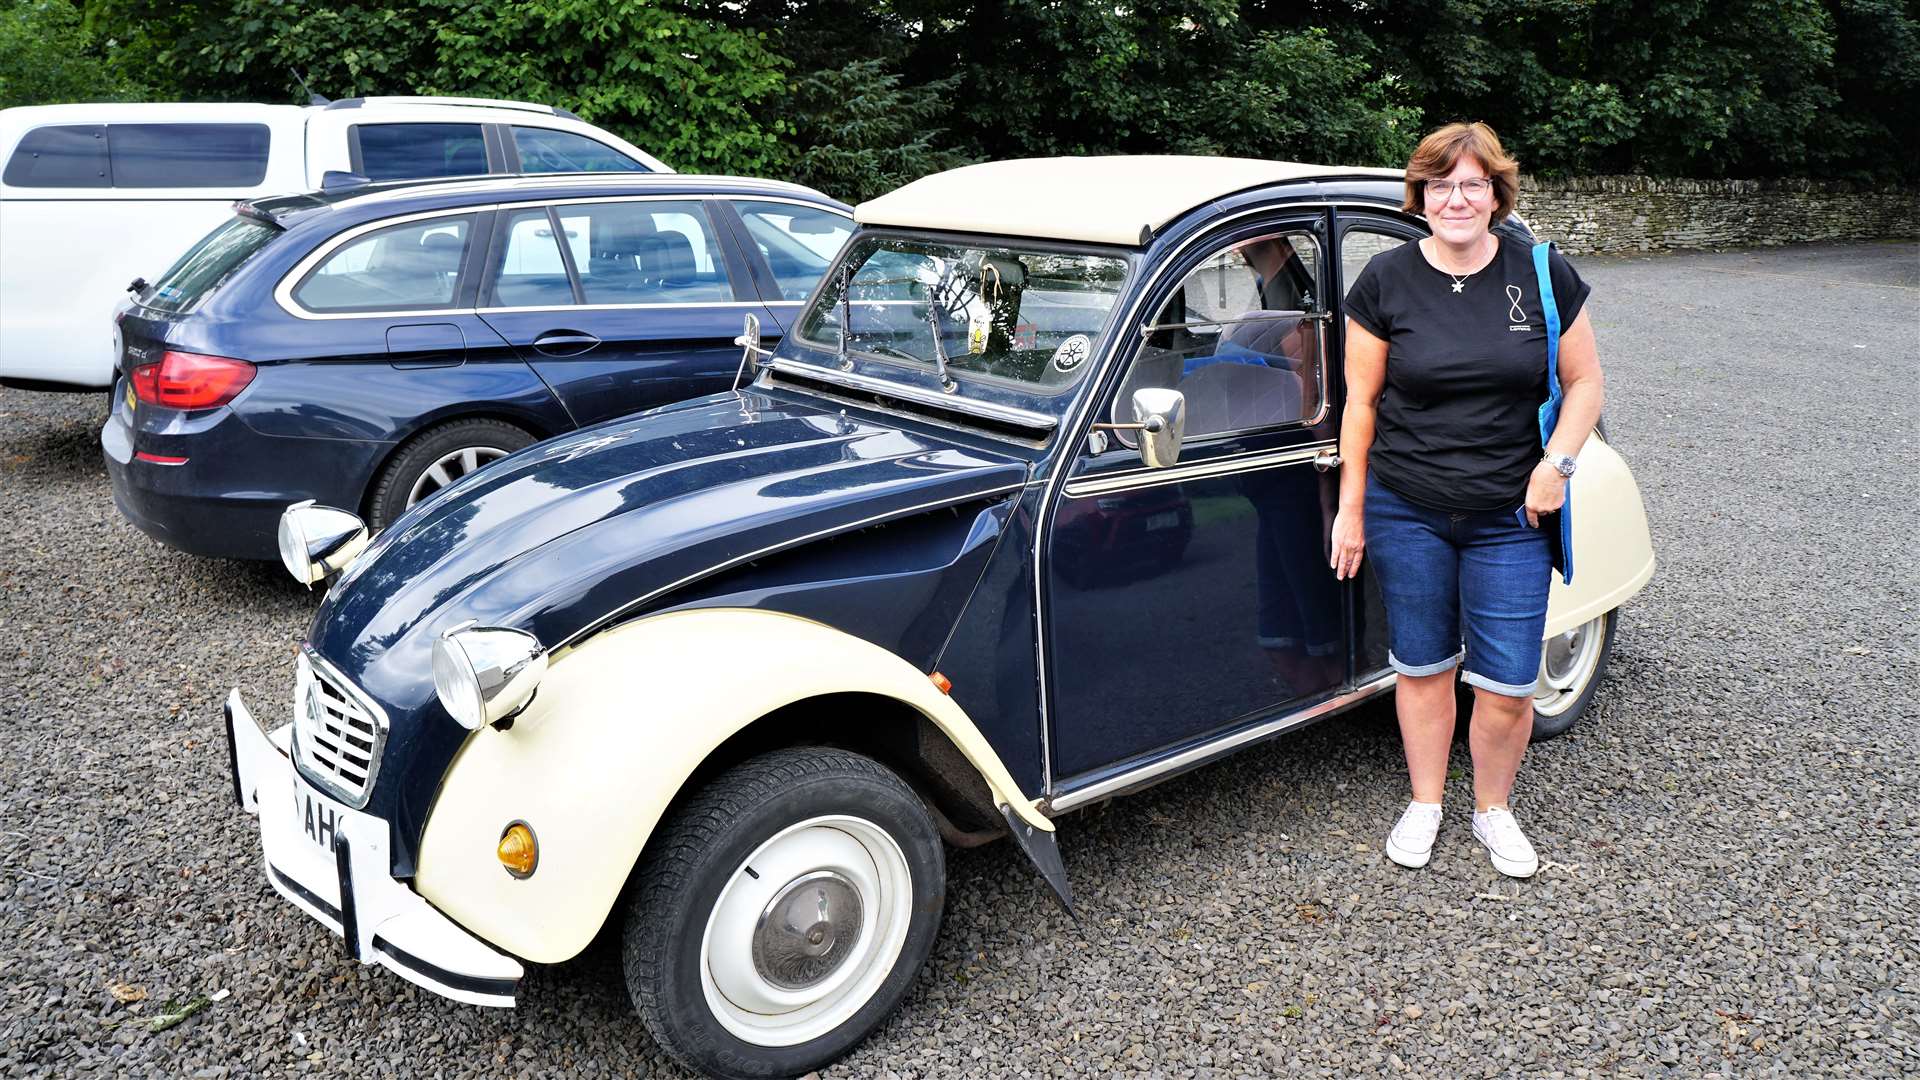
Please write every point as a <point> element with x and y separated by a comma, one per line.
<point>1474,188</point>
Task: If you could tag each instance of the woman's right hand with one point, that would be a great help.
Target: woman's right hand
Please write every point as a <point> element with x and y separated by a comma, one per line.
<point>1349,542</point>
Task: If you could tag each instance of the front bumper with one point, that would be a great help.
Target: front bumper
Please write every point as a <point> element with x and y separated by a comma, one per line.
<point>345,884</point>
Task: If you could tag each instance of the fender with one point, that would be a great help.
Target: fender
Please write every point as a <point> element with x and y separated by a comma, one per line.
<point>1612,544</point>
<point>619,723</point>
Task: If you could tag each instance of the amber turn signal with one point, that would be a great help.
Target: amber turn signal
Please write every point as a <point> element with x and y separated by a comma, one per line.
<point>518,850</point>
<point>944,684</point>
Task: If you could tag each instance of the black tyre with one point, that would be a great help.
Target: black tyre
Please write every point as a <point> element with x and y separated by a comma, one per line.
<point>437,457</point>
<point>782,913</point>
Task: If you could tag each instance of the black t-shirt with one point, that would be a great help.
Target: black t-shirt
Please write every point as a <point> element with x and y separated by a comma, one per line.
<point>1459,426</point>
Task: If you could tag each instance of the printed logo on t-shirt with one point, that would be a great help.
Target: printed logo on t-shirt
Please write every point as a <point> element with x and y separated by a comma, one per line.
<point>1517,316</point>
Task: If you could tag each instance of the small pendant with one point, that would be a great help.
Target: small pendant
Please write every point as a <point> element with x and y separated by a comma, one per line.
<point>1458,285</point>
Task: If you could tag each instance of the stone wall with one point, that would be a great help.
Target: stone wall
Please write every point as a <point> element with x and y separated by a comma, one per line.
<point>1640,213</point>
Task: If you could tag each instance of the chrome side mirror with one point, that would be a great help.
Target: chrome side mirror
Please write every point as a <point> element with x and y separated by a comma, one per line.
<point>317,542</point>
<point>1160,416</point>
<point>486,674</point>
<point>749,342</point>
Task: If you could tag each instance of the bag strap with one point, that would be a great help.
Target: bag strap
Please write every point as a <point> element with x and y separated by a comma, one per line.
<point>1550,308</point>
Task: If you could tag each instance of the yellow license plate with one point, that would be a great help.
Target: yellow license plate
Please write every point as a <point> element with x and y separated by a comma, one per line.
<point>129,396</point>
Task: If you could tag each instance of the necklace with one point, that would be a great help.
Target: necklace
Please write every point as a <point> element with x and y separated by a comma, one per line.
<point>1459,280</point>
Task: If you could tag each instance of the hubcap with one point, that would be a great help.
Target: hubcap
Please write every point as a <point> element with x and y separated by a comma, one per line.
<point>452,467</point>
<point>805,930</point>
<point>1567,664</point>
<point>797,942</point>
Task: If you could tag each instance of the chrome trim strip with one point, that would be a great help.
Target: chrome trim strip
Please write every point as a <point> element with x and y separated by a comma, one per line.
<point>602,307</point>
<point>600,623</point>
<point>1200,754</point>
<point>987,410</point>
<point>1136,479</point>
<point>1076,416</point>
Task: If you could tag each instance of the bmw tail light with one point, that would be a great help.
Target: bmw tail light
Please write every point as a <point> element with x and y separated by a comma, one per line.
<point>184,380</point>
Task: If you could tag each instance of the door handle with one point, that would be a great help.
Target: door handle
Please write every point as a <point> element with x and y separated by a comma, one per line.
<point>565,342</point>
<point>1326,459</point>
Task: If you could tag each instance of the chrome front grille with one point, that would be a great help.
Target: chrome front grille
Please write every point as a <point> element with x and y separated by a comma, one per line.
<point>337,733</point>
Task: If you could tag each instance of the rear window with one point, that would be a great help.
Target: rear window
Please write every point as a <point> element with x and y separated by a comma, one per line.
<point>141,156</point>
<point>208,263</point>
<point>415,151</point>
<point>414,266</point>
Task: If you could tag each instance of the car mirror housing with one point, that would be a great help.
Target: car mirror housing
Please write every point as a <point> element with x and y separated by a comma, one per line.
<point>486,674</point>
<point>317,542</point>
<point>1162,418</point>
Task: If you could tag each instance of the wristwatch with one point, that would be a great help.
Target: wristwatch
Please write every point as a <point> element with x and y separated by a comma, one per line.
<point>1564,464</point>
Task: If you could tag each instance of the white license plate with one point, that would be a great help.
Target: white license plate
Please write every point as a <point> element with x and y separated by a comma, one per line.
<point>319,817</point>
<point>1166,519</point>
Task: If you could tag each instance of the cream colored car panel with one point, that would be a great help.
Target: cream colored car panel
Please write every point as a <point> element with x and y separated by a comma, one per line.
<point>618,725</point>
<point>1612,546</point>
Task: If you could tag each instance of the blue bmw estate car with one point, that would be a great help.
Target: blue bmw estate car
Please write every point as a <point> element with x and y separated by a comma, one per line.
<point>367,347</point>
<point>1028,510</point>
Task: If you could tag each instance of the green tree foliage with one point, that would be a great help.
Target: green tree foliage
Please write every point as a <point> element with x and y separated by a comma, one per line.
<point>47,54</point>
<point>855,96</point>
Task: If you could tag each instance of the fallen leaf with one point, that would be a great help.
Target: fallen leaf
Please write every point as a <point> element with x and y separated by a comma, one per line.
<point>126,993</point>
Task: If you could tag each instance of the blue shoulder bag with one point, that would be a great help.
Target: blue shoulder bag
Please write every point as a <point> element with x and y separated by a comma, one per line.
<point>1550,409</point>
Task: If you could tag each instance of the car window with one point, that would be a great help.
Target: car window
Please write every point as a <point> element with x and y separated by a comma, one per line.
<point>798,242</point>
<point>646,252</point>
<point>187,155</point>
<point>208,263</point>
<point>411,151</point>
<point>1234,340</point>
<point>69,155</point>
<point>532,272</point>
<point>414,266</point>
<point>1360,245</point>
<point>543,150</point>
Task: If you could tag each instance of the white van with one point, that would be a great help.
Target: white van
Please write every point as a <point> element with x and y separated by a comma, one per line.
<point>94,196</point>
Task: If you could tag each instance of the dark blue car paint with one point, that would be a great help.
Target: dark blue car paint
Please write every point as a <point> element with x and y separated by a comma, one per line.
<point>674,507</point>
<point>333,399</point>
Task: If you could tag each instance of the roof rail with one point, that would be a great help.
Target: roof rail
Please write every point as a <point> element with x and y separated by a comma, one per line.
<point>482,103</point>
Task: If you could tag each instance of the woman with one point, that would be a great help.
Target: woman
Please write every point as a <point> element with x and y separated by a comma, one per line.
<point>1444,482</point>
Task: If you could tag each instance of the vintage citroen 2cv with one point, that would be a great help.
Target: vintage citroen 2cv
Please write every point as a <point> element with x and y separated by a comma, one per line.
<point>1028,509</point>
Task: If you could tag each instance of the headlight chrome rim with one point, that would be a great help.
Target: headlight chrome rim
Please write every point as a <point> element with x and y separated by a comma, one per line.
<point>319,541</point>
<point>486,674</point>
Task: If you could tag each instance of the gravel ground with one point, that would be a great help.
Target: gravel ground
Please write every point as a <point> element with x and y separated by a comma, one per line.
<point>1732,833</point>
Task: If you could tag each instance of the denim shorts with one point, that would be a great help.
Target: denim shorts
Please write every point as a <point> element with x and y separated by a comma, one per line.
<point>1444,577</point>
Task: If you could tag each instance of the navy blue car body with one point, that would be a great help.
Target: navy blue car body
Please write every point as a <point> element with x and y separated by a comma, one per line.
<point>637,309</point>
<point>1028,509</point>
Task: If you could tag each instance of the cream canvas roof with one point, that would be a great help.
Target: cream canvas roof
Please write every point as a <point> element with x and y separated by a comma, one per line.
<point>1101,200</point>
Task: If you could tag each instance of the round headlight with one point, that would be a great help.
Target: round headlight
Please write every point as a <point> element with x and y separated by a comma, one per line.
<point>293,545</point>
<point>455,683</point>
<point>485,674</point>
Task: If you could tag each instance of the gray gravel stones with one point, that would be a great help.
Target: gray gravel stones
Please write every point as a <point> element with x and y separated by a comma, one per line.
<point>1732,836</point>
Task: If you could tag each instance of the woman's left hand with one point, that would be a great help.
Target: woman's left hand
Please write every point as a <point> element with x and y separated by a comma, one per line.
<point>1546,492</point>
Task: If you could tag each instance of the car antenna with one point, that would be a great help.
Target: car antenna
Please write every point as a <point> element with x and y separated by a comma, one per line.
<point>312,98</point>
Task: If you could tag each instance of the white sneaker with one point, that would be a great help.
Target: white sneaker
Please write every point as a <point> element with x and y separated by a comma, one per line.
<point>1511,853</point>
<point>1411,842</point>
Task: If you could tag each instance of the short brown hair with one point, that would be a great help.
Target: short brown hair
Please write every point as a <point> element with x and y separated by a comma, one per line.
<point>1439,152</point>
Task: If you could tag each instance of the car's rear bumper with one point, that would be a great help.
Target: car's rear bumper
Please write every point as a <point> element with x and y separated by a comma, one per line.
<point>346,885</point>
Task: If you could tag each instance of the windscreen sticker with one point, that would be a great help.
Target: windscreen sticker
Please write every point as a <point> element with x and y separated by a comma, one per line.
<point>1072,352</point>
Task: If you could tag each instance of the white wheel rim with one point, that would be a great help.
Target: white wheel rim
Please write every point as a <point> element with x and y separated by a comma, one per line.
<point>1567,664</point>
<point>771,982</point>
<point>452,467</point>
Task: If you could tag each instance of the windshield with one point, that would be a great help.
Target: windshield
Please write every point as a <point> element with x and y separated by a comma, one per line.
<point>1026,315</point>
<point>208,263</point>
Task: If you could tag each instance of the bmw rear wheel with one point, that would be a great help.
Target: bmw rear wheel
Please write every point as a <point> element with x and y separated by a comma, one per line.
<point>437,458</point>
<point>783,912</point>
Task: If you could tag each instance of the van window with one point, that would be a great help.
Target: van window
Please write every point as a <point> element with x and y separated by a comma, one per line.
<point>546,151</point>
<point>208,263</point>
<point>67,156</point>
<point>415,151</point>
<point>415,266</point>
<point>187,155</point>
